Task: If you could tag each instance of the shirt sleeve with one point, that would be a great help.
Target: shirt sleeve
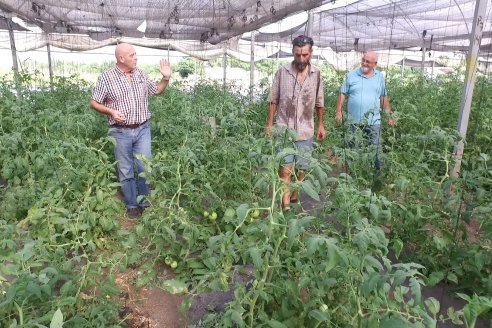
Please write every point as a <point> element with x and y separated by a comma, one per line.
<point>274,94</point>
<point>320,95</point>
<point>345,88</point>
<point>100,90</point>
<point>383,87</point>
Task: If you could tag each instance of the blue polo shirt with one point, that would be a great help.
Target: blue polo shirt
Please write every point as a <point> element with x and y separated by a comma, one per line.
<point>364,96</point>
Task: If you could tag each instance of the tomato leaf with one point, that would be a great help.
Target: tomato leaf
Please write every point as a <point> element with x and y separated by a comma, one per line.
<point>396,321</point>
<point>57,319</point>
<point>433,305</point>
<point>295,228</point>
<point>307,187</point>
<point>416,291</point>
<point>434,278</point>
<point>319,316</point>
<point>174,286</point>
<point>397,247</point>
<point>256,257</point>
<point>242,211</point>
<point>276,324</point>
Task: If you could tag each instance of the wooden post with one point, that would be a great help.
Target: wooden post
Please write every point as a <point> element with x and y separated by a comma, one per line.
<point>469,84</point>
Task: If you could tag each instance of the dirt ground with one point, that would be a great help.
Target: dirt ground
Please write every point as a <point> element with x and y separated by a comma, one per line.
<point>148,307</point>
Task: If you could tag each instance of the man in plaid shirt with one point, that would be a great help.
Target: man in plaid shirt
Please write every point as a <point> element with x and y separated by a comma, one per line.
<point>122,94</point>
<point>296,93</point>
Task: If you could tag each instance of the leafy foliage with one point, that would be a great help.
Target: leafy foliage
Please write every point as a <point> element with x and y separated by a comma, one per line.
<point>215,212</point>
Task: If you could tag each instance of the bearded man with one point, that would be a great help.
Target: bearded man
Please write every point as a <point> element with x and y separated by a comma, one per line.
<point>296,94</point>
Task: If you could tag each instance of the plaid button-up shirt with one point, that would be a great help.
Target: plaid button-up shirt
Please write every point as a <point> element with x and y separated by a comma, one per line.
<point>296,102</point>
<point>128,96</point>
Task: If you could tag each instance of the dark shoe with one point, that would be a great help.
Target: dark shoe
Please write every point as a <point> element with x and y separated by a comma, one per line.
<point>133,213</point>
<point>143,205</point>
<point>377,164</point>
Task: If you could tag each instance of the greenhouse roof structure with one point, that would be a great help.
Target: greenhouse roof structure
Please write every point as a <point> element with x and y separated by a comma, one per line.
<point>342,25</point>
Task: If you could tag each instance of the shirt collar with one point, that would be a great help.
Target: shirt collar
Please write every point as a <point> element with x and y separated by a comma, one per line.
<point>123,72</point>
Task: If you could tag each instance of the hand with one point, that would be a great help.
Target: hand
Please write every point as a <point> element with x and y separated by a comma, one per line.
<point>268,131</point>
<point>338,118</point>
<point>321,134</point>
<point>118,117</point>
<point>391,121</point>
<point>165,69</point>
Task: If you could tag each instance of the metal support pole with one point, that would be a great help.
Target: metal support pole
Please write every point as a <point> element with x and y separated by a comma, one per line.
<point>422,67</point>
<point>402,66</point>
<point>224,65</point>
<point>252,67</point>
<point>424,33</point>
<point>50,66</point>
<point>13,50</point>
<point>309,27</point>
<point>470,77</point>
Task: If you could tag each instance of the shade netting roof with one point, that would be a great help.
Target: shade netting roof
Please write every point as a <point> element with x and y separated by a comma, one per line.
<point>197,25</point>
<point>443,25</point>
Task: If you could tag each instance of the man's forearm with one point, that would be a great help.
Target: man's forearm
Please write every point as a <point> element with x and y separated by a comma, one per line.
<point>385,104</point>
<point>272,109</point>
<point>340,101</point>
<point>320,111</point>
<point>100,108</point>
<point>162,85</point>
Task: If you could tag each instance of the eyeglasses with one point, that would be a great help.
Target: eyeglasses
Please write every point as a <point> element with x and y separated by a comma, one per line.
<point>367,61</point>
<point>302,40</point>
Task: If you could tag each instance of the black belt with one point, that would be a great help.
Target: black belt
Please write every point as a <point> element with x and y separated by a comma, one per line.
<point>130,126</point>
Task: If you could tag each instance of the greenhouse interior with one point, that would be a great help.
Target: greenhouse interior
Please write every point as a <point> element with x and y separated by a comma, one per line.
<point>224,163</point>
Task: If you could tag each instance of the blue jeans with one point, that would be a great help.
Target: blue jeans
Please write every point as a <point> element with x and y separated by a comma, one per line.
<point>370,133</point>
<point>130,142</point>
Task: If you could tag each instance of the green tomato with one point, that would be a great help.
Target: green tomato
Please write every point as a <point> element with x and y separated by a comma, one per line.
<point>168,260</point>
<point>323,307</point>
<point>174,264</point>
<point>205,213</point>
<point>213,216</point>
<point>255,214</point>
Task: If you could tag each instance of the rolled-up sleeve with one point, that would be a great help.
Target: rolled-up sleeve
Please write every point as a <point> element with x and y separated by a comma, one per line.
<point>100,90</point>
<point>345,88</point>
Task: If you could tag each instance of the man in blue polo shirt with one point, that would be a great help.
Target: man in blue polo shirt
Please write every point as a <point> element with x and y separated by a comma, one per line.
<point>366,92</point>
